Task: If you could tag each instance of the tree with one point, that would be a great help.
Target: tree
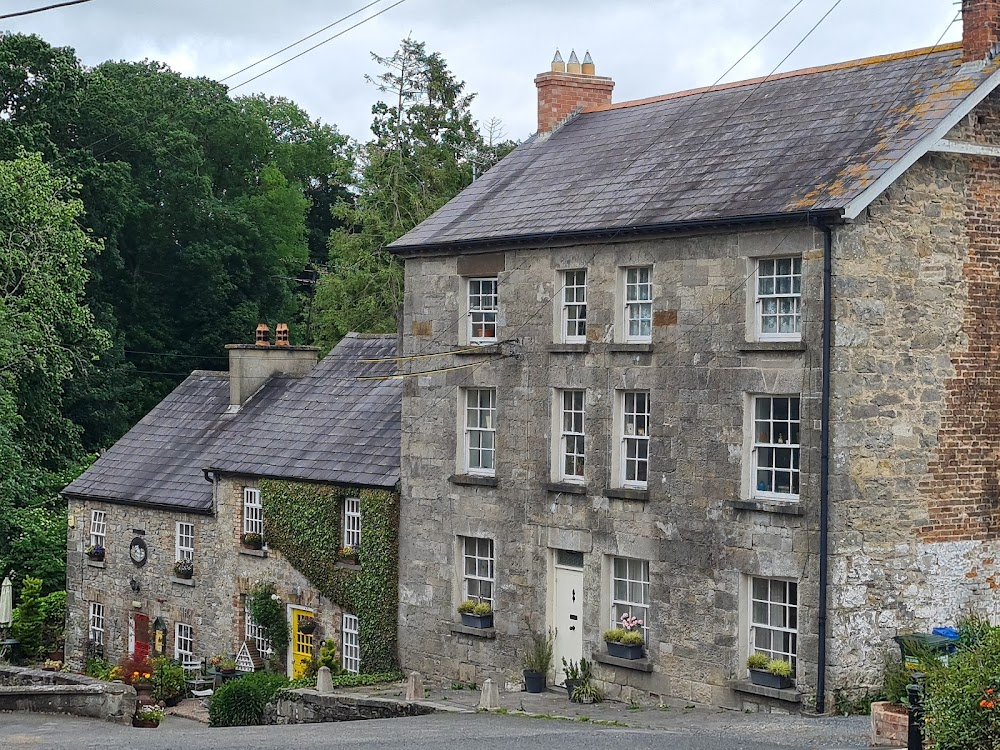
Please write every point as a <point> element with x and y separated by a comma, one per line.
<point>422,155</point>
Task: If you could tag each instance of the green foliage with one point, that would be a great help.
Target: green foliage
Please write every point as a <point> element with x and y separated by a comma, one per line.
<point>757,660</point>
<point>538,657</point>
<point>960,705</point>
<point>303,522</point>
<point>614,635</point>
<point>467,607</point>
<point>860,704</point>
<point>587,692</point>
<point>168,678</point>
<point>779,667</point>
<point>328,657</point>
<point>53,607</point>
<point>29,620</point>
<point>632,638</point>
<point>472,607</point>
<point>972,629</point>
<point>269,613</point>
<point>895,680</point>
<point>577,671</point>
<point>241,702</point>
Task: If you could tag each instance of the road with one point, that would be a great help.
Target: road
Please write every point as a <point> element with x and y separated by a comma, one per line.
<point>19,731</point>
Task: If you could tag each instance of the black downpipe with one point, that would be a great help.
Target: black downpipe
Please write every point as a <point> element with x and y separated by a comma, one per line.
<point>824,464</point>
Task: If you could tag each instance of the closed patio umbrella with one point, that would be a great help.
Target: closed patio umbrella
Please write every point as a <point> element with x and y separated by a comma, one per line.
<point>6,602</point>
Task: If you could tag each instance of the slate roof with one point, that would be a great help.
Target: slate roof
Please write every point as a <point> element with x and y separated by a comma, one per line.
<point>805,141</point>
<point>326,426</point>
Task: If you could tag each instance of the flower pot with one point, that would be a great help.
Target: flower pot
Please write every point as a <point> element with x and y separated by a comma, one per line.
<point>308,627</point>
<point>889,724</point>
<point>96,556</point>
<point>766,679</point>
<point>586,699</point>
<point>570,687</point>
<point>145,723</point>
<point>228,671</point>
<point>622,651</point>
<point>477,621</point>
<point>57,655</point>
<point>534,682</point>
<point>184,573</point>
<point>253,543</point>
<point>143,692</point>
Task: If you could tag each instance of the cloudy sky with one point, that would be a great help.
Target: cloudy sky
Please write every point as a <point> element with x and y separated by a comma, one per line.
<point>648,47</point>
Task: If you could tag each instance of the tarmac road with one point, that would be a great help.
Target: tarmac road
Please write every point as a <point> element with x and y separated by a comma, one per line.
<point>22,731</point>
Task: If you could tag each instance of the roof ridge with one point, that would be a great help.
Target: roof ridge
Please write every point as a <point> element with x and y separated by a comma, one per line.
<point>875,60</point>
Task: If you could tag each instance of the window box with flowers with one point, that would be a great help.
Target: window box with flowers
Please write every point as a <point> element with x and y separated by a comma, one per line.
<point>95,552</point>
<point>626,641</point>
<point>252,540</point>
<point>184,569</point>
<point>349,555</point>
<point>476,614</point>
<point>773,673</point>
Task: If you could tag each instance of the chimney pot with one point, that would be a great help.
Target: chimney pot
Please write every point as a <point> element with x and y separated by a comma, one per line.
<point>263,335</point>
<point>588,64</point>
<point>281,335</point>
<point>558,66</point>
<point>573,66</point>
<point>980,28</point>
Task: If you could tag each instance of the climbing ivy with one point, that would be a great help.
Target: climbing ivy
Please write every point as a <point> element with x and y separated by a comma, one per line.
<point>303,522</point>
<point>268,613</point>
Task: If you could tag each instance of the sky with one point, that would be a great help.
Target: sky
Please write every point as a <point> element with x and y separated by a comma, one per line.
<point>649,47</point>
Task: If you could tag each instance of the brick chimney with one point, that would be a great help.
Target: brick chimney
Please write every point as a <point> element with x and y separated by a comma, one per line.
<point>252,365</point>
<point>568,88</point>
<point>980,28</point>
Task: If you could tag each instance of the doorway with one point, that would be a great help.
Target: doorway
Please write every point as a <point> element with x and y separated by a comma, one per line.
<point>567,609</point>
<point>301,651</point>
<point>138,635</point>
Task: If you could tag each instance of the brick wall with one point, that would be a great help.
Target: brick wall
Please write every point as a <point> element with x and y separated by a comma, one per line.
<point>562,94</point>
<point>981,21</point>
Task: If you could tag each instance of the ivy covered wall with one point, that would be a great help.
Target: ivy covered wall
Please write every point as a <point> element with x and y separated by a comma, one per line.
<point>303,522</point>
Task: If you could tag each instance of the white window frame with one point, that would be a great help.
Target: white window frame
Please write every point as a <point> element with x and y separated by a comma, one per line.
<point>253,512</point>
<point>571,416</point>
<point>632,428</point>
<point>483,303</point>
<point>256,634</point>
<point>350,644</point>
<point>98,527</point>
<point>573,314</point>
<point>184,541</point>
<point>773,618</point>
<point>183,642</point>
<point>778,295</point>
<point>771,439</point>
<point>637,299</point>
<point>352,522</point>
<point>96,623</point>
<point>630,591</point>
<point>478,569</point>
<point>479,446</point>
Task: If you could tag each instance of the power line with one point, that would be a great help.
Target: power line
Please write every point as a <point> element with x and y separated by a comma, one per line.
<point>42,10</point>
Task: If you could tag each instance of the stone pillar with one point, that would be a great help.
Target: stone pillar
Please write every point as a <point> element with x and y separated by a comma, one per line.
<point>489,699</point>
<point>415,687</point>
<point>324,680</point>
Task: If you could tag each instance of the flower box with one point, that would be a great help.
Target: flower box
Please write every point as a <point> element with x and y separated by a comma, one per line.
<point>622,651</point>
<point>252,541</point>
<point>307,625</point>
<point>766,679</point>
<point>145,723</point>
<point>477,621</point>
<point>97,556</point>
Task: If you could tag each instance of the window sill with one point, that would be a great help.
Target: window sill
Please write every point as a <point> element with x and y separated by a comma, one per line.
<point>636,348</point>
<point>789,695</point>
<point>95,563</point>
<point>473,480</point>
<point>567,488</point>
<point>347,565</point>
<point>626,493</point>
<point>639,665</point>
<point>772,346</point>
<point>487,633</point>
<point>568,348</point>
<point>788,507</point>
<point>182,581</point>
<point>476,350</point>
<point>253,552</point>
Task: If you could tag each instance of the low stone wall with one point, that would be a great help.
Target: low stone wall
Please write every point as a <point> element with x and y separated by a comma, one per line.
<point>309,707</point>
<point>39,691</point>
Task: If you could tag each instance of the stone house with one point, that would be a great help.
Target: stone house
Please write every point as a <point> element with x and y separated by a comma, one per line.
<point>278,444</point>
<point>730,367</point>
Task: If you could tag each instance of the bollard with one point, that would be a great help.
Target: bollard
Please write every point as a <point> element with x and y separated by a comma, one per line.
<point>415,687</point>
<point>914,736</point>
<point>489,698</point>
<point>324,680</point>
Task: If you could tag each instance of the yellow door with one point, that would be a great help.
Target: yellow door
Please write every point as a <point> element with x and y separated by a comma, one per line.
<point>302,643</point>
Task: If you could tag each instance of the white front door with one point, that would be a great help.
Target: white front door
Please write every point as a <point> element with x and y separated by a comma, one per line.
<point>567,609</point>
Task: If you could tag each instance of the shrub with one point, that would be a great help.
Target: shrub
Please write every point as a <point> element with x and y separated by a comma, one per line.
<point>539,655</point>
<point>757,661</point>
<point>589,691</point>
<point>632,638</point>
<point>961,706</point>
<point>240,703</point>
<point>53,608</point>
<point>269,613</point>
<point>29,620</point>
<point>895,680</point>
<point>328,657</point>
<point>482,609</point>
<point>467,607</point>
<point>614,635</point>
<point>136,669</point>
<point>168,679</point>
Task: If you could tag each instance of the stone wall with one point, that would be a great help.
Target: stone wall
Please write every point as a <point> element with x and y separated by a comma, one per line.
<point>310,707</point>
<point>212,602</point>
<point>38,691</point>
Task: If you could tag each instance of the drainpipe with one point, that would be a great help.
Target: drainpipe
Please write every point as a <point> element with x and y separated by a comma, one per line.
<point>824,463</point>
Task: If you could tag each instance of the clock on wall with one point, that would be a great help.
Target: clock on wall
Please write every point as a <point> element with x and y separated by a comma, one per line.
<point>137,551</point>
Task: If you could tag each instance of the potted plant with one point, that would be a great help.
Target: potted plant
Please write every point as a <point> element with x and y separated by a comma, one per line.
<point>349,555</point>
<point>227,665</point>
<point>587,692</point>
<point>52,665</point>
<point>476,614</point>
<point>252,540</point>
<point>537,662</point>
<point>147,716</point>
<point>168,681</point>
<point>774,673</point>
<point>576,674</point>
<point>307,625</point>
<point>95,552</point>
<point>183,568</point>
<point>626,641</point>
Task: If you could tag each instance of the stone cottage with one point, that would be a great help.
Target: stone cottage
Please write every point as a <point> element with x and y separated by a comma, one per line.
<point>266,473</point>
<point>731,368</point>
